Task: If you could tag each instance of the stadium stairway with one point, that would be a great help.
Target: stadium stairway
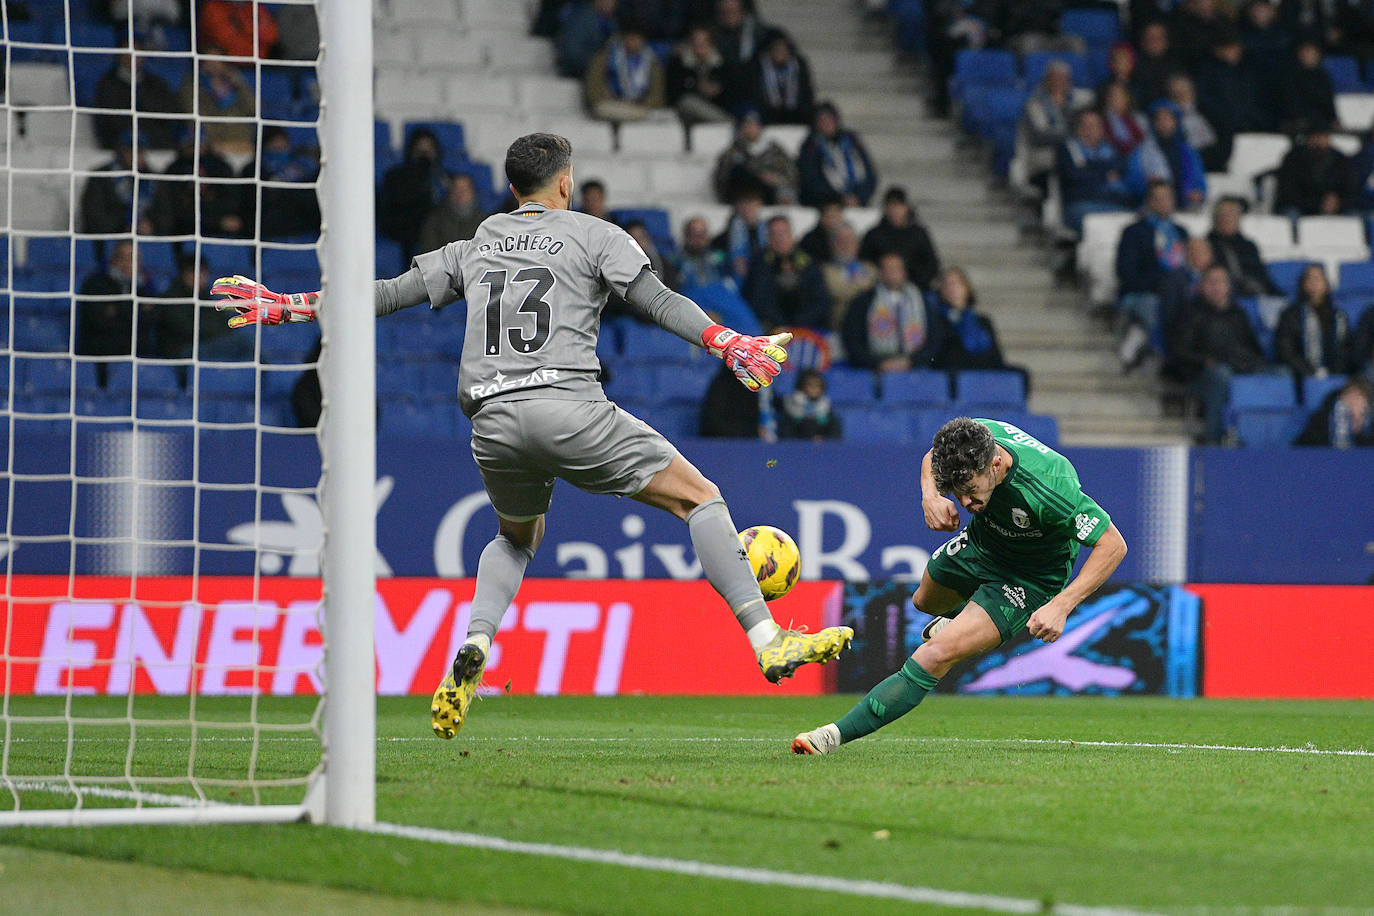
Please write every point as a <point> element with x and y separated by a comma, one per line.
<point>1075,374</point>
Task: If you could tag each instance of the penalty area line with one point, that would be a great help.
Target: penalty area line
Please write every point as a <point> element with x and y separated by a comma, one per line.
<point>761,876</point>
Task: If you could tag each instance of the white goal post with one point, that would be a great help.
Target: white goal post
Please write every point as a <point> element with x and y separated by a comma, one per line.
<point>151,655</point>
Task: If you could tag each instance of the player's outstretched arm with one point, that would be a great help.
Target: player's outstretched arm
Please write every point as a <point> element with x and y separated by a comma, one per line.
<point>1047,623</point>
<point>256,304</point>
<point>940,512</point>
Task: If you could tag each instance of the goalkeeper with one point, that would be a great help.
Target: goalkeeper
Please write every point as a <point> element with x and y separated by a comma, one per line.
<point>536,281</point>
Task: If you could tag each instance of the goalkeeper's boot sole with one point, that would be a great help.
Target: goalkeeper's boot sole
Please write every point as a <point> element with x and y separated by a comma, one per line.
<point>791,649</point>
<point>449,710</point>
<point>929,630</point>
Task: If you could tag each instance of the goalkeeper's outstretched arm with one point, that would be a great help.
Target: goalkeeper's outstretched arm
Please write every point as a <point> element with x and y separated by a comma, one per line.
<point>256,304</point>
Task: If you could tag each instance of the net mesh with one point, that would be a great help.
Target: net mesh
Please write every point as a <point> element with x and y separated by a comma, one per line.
<point>161,640</point>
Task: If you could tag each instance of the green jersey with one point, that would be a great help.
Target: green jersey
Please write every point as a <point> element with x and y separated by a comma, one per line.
<point>1038,516</point>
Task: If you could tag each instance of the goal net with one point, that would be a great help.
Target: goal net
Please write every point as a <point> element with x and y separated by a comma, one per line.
<point>166,519</point>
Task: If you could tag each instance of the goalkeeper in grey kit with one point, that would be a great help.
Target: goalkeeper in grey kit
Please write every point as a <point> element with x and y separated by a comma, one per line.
<point>535,281</point>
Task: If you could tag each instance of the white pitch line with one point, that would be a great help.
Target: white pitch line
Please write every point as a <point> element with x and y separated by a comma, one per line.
<point>763,876</point>
<point>154,798</point>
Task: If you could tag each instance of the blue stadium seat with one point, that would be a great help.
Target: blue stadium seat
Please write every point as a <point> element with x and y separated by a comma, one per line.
<point>677,384</point>
<point>97,403</point>
<point>845,385</point>
<point>94,35</point>
<point>390,261</point>
<point>403,418</point>
<point>634,382</point>
<point>876,424</point>
<point>86,71</point>
<point>990,390</point>
<point>214,408</point>
<point>1264,391</point>
<point>641,341</point>
<point>44,375</point>
<point>398,379</point>
<point>159,259</point>
<point>1263,332</point>
<point>676,421</point>
<point>47,254</point>
<point>279,383</point>
<point>1043,428</point>
<point>230,258</point>
<point>974,67</point>
<point>1286,274</point>
<point>227,381</point>
<point>655,220</point>
<point>381,135</point>
<point>42,334</point>
<point>173,70</point>
<point>439,379</point>
<point>1094,26</point>
<point>293,261</point>
<point>1267,428</point>
<point>154,378</point>
<point>1344,72</point>
<point>451,140</point>
<point>156,405</point>
<point>929,387</point>
<point>1315,389</point>
<point>119,375</point>
<point>1357,275</point>
<point>1353,302</point>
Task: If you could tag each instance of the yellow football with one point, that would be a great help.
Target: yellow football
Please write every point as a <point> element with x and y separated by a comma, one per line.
<point>774,557</point>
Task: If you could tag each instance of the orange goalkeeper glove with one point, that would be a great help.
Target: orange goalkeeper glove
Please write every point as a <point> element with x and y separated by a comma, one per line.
<point>756,361</point>
<point>256,304</point>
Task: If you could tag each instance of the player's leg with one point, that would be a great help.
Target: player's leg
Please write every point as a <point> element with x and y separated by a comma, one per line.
<point>941,601</point>
<point>972,633</point>
<point>684,491</point>
<point>953,573</point>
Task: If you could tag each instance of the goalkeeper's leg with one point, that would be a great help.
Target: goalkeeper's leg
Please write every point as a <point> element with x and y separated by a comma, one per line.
<point>499,573</point>
<point>684,491</point>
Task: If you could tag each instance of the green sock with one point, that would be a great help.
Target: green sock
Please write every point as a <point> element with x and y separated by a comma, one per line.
<point>888,701</point>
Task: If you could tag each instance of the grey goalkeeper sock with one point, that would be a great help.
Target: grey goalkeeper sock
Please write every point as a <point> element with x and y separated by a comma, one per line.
<point>499,571</point>
<point>724,562</point>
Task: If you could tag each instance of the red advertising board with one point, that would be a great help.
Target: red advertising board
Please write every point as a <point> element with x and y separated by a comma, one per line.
<point>1287,640</point>
<point>228,635</point>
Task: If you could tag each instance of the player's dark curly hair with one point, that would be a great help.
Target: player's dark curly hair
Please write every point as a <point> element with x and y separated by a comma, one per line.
<point>962,448</point>
<point>534,159</point>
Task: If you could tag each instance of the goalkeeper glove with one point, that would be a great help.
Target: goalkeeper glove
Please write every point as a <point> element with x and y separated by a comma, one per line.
<point>756,361</point>
<point>256,304</point>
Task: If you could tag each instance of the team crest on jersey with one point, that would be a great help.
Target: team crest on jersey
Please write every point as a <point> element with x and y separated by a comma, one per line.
<point>1020,517</point>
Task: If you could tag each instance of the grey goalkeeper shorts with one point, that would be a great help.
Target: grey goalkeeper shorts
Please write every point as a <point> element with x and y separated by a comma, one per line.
<point>522,446</point>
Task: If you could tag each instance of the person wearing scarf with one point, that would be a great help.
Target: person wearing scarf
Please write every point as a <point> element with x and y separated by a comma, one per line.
<point>834,163</point>
<point>1167,156</point>
<point>846,276</point>
<point>745,234</point>
<point>625,80</point>
<point>892,328</point>
<point>1312,333</point>
<point>1125,126</point>
<point>1089,171</point>
<point>1149,250</point>
<point>972,340</point>
<point>223,92</point>
<point>755,162</point>
<point>782,83</point>
<point>696,79</point>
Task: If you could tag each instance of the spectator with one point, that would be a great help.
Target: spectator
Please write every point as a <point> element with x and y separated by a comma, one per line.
<point>105,311</point>
<point>1231,94</point>
<point>1196,129</point>
<point>738,35</point>
<point>1149,249</point>
<point>625,80</point>
<point>1306,94</point>
<point>1178,292</point>
<point>696,79</point>
<point>1155,63</point>
<point>972,340</point>
<point>1120,67</point>
<point>1344,419</point>
<point>594,200</point>
<point>1044,124</point>
<point>807,412</point>
<point>834,163</point>
<point>1089,172</point>
<point>287,211</point>
<point>1238,254</point>
<point>457,217</point>
<point>583,34</point>
<point>221,203</point>
<point>785,287</point>
<point>846,277</point>
<point>818,242</point>
<point>899,231</point>
<point>1166,156</point>
<point>116,90</point>
<point>704,273</point>
<point>218,342</point>
<point>954,27</point>
<point>1314,177</point>
<point>781,81</point>
<point>1260,32</point>
<point>410,190</point>
<point>729,410</point>
<point>744,236</point>
<point>1309,20</point>
<point>112,201</point>
<point>221,92</point>
<point>892,328</point>
<point>1312,336</point>
<point>755,162</point>
<point>1217,344</point>
<point>1124,125</point>
<point>228,27</point>
<point>1196,27</point>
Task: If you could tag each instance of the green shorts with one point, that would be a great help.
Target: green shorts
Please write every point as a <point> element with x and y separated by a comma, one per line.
<point>1009,599</point>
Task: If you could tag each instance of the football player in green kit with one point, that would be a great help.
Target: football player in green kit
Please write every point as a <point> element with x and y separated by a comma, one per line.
<point>1007,571</point>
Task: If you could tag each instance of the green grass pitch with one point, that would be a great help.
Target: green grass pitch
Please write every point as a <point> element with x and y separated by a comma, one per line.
<point>1094,802</point>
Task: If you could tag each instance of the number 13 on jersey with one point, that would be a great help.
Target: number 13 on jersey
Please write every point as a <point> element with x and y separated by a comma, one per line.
<point>534,304</point>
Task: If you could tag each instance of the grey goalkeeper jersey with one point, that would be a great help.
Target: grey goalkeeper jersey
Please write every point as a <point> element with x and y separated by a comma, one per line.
<point>535,281</point>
